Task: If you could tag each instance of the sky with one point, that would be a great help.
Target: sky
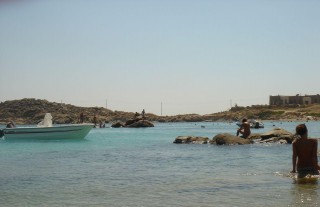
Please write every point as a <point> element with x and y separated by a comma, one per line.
<point>168,57</point>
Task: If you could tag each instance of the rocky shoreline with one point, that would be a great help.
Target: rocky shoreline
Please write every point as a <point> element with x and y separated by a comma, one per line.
<point>31,111</point>
<point>276,135</point>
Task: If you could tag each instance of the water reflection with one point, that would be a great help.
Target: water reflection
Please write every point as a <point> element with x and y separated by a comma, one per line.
<point>305,193</point>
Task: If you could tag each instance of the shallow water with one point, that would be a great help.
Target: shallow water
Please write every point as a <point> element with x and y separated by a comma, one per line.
<point>142,167</point>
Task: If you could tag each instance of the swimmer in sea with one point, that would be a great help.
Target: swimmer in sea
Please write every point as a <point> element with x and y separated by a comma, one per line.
<point>304,153</point>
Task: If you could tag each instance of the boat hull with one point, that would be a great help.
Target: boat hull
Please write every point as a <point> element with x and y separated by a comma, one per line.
<point>77,131</point>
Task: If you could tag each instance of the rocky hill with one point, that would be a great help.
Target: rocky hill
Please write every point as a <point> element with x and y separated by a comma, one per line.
<point>31,111</point>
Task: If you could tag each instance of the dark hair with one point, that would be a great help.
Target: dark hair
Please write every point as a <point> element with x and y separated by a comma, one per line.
<point>244,120</point>
<point>301,129</point>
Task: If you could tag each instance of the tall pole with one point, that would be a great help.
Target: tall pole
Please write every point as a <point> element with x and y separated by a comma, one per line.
<point>161,108</point>
<point>106,103</point>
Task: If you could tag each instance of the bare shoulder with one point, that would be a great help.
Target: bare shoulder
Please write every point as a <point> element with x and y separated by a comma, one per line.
<point>311,142</point>
<point>294,142</point>
<point>314,141</point>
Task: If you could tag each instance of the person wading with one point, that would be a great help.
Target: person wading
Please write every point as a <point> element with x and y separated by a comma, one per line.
<point>304,153</point>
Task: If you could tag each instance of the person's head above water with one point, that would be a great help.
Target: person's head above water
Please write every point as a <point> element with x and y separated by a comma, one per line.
<point>301,129</point>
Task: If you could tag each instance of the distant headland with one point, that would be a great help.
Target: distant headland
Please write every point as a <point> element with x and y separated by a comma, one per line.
<point>31,111</point>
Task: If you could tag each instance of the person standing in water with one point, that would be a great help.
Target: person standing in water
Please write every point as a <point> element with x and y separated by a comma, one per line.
<point>244,129</point>
<point>304,153</point>
<point>143,114</point>
<point>95,120</point>
<point>81,118</point>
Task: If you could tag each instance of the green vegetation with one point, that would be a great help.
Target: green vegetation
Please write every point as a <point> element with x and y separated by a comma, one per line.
<point>268,114</point>
<point>313,114</point>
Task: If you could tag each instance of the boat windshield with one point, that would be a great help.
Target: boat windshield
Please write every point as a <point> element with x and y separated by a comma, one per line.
<point>47,121</point>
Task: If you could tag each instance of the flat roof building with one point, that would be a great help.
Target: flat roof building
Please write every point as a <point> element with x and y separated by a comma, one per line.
<point>294,100</point>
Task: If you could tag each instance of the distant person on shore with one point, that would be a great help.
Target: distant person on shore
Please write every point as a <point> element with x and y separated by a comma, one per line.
<point>81,118</point>
<point>143,114</point>
<point>95,120</point>
<point>305,150</point>
<point>244,129</point>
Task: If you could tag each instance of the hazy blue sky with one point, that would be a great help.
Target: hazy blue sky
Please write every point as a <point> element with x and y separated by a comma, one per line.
<point>194,56</point>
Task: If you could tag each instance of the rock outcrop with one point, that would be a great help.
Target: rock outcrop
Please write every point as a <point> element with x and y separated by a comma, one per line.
<point>117,124</point>
<point>140,123</point>
<point>133,123</point>
<point>228,139</point>
<point>220,139</point>
<point>276,135</point>
<point>191,140</point>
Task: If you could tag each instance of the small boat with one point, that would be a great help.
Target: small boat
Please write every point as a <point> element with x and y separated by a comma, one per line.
<point>45,130</point>
<point>253,124</point>
<point>75,131</point>
<point>256,124</point>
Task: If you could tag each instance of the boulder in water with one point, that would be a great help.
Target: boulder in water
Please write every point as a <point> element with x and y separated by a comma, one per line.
<point>140,123</point>
<point>277,135</point>
<point>228,139</point>
<point>191,140</point>
<point>117,125</point>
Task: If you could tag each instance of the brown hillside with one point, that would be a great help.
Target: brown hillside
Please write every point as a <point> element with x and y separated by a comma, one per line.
<point>31,111</point>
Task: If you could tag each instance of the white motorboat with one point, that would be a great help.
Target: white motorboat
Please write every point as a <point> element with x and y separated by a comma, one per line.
<point>75,131</point>
<point>45,130</point>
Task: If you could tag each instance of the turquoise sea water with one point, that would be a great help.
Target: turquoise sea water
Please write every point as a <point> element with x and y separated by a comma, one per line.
<point>142,167</point>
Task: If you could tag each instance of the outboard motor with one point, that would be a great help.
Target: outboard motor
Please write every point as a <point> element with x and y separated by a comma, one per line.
<point>1,133</point>
<point>257,125</point>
